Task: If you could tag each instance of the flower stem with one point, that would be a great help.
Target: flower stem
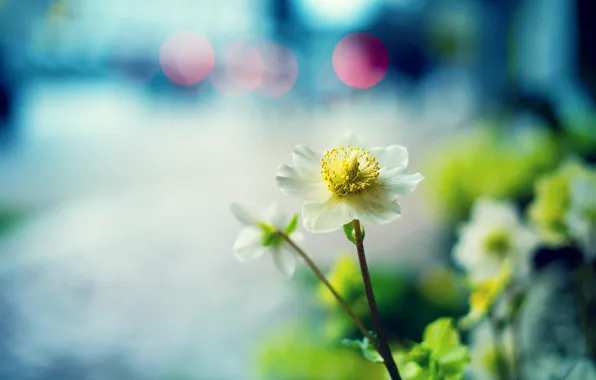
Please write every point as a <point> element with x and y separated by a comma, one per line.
<point>498,344</point>
<point>585,301</point>
<point>339,298</point>
<point>517,359</point>
<point>372,304</point>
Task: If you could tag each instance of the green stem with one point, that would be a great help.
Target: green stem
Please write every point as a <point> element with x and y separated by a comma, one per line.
<point>496,334</point>
<point>517,358</point>
<point>326,282</point>
<point>372,304</point>
<point>585,301</point>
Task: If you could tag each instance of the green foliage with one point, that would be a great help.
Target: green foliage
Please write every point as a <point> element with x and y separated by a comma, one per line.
<point>490,162</point>
<point>271,236</point>
<point>292,225</point>
<point>552,201</point>
<point>581,134</point>
<point>440,355</point>
<point>345,279</point>
<point>402,292</point>
<point>483,297</point>
<point>441,336</point>
<point>395,289</point>
<point>368,350</point>
<point>443,287</point>
<point>295,354</point>
<point>351,233</point>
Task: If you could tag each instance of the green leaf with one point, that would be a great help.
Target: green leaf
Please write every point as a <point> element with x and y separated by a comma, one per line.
<point>270,235</point>
<point>420,354</point>
<point>441,336</point>
<point>439,357</point>
<point>454,361</point>
<point>291,227</point>
<point>412,371</point>
<point>368,350</point>
<point>457,376</point>
<point>350,233</point>
<point>271,239</point>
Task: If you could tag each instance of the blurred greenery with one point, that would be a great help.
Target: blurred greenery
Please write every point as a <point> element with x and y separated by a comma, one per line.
<point>580,136</point>
<point>295,353</point>
<point>440,355</point>
<point>409,289</point>
<point>510,158</point>
<point>484,296</point>
<point>314,351</point>
<point>490,162</point>
<point>552,201</point>
<point>443,287</point>
<point>368,350</point>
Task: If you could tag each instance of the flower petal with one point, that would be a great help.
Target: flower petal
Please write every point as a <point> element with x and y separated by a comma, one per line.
<point>299,183</point>
<point>303,179</point>
<point>377,208</point>
<point>249,245</point>
<point>394,156</point>
<point>348,138</point>
<point>285,259</point>
<point>306,157</point>
<point>471,251</point>
<point>327,216</point>
<point>276,217</point>
<point>399,184</point>
<point>245,215</point>
<point>492,211</point>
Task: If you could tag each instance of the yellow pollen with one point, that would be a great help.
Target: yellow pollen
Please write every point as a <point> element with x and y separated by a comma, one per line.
<point>349,170</point>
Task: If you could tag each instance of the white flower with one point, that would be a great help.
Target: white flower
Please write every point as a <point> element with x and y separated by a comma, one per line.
<point>483,354</point>
<point>581,217</point>
<point>494,236</point>
<point>347,182</point>
<point>257,237</point>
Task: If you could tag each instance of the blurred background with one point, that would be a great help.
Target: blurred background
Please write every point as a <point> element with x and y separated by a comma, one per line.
<point>128,127</point>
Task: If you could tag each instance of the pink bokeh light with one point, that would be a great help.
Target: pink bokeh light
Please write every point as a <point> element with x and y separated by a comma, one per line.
<point>360,60</point>
<point>281,70</point>
<point>186,58</point>
<point>239,69</point>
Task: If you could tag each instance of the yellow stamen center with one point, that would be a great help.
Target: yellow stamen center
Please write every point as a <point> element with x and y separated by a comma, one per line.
<point>349,170</point>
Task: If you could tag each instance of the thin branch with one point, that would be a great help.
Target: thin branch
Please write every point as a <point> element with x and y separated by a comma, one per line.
<point>383,343</point>
<point>339,298</point>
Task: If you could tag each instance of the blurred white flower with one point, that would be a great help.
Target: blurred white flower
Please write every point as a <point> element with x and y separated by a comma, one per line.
<point>581,217</point>
<point>347,182</point>
<point>258,236</point>
<point>494,236</point>
<point>485,298</point>
<point>484,355</point>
